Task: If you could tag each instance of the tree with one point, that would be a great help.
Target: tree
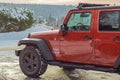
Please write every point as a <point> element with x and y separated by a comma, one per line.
<point>15,19</point>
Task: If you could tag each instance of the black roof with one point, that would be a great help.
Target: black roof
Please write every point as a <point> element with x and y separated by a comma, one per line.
<point>100,7</point>
<point>87,6</point>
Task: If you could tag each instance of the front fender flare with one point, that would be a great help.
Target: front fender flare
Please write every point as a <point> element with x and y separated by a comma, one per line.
<point>41,44</point>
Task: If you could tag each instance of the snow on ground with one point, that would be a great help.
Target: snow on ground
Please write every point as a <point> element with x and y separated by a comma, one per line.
<point>10,70</point>
<point>23,34</point>
<point>11,38</point>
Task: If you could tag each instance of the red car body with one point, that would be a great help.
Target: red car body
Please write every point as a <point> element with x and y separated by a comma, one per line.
<point>88,39</point>
<point>101,49</point>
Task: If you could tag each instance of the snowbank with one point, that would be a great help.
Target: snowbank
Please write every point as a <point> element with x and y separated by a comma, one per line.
<point>10,39</point>
<point>23,34</point>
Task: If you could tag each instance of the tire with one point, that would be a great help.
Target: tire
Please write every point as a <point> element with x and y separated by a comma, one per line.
<point>31,62</point>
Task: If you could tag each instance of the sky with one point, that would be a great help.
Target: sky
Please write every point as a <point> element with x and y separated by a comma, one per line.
<point>62,2</point>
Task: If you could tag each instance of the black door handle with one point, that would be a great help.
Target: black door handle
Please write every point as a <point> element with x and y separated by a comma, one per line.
<point>87,37</point>
<point>117,38</point>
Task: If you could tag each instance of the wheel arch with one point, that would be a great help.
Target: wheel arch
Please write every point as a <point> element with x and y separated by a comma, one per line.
<point>40,44</point>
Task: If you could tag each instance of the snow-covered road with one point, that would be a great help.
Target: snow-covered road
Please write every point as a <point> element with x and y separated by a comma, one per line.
<point>10,39</point>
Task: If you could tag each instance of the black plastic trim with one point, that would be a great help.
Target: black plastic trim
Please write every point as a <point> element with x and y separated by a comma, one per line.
<point>17,52</point>
<point>84,66</point>
<point>103,7</point>
<point>41,44</point>
<point>81,5</point>
<point>98,8</point>
<point>117,65</point>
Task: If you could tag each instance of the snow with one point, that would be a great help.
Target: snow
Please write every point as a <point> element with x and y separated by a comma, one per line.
<point>19,13</point>
<point>16,13</point>
<point>11,38</point>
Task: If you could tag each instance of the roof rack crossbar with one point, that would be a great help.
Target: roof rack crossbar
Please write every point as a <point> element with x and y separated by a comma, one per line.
<point>81,5</point>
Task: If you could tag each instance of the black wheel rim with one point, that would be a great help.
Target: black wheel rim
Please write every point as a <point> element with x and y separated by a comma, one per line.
<point>30,62</point>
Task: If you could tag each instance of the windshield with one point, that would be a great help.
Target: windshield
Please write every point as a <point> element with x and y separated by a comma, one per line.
<point>79,21</point>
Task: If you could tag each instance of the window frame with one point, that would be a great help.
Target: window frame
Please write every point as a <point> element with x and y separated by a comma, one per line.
<point>108,30</point>
<point>81,12</point>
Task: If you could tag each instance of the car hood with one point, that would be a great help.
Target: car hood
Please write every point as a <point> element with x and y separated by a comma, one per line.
<point>44,34</point>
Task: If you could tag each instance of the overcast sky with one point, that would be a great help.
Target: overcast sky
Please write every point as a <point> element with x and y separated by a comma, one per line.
<point>59,2</point>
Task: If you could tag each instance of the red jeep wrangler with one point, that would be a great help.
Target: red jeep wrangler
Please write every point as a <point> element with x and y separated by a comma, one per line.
<point>88,39</point>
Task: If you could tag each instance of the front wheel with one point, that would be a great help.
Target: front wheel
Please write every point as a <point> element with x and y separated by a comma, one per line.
<point>31,62</point>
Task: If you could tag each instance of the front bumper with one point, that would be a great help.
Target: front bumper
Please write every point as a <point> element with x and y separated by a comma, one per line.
<point>17,52</point>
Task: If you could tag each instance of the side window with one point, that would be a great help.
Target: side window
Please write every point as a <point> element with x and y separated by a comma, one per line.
<point>109,21</point>
<point>79,21</point>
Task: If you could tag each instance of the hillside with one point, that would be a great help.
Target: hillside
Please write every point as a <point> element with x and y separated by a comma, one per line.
<point>44,11</point>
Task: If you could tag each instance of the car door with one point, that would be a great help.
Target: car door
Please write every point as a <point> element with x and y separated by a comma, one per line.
<point>107,37</point>
<point>76,45</point>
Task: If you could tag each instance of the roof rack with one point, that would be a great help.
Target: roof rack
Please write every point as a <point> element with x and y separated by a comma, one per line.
<point>81,5</point>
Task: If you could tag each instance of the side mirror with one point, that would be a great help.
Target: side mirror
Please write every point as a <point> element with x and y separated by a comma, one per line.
<point>63,30</point>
